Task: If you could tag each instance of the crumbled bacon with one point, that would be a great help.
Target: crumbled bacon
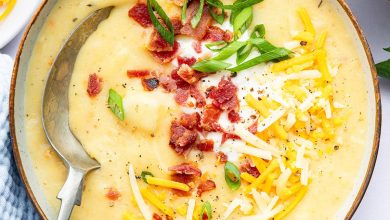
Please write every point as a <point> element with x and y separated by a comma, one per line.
<point>205,145</point>
<point>177,25</point>
<point>198,96</point>
<point>181,138</point>
<point>186,60</point>
<point>158,44</point>
<point>206,186</point>
<point>112,194</point>
<point>221,157</point>
<point>253,128</point>
<point>233,116</point>
<point>227,136</point>
<point>228,37</point>
<point>210,118</point>
<point>225,96</point>
<point>150,84</point>
<point>166,56</point>
<point>141,15</point>
<point>156,217</point>
<point>252,170</point>
<point>137,73</point>
<point>190,121</point>
<point>215,33</point>
<point>94,85</point>
<point>182,95</point>
<point>188,74</point>
<point>186,169</point>
<point>182,178</point>
<point>197,46</point>
<point>180,83</point>
<point>200,31</point>
<point>168,83</point>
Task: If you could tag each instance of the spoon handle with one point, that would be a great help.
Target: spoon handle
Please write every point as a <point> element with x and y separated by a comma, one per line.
<point>70,193</point>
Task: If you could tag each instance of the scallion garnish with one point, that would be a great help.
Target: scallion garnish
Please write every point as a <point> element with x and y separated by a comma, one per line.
<point>232,176</point>
<point>195,20</point>
<point>238,5</point>
<point>242,21</point>
<point>115,104</point>
<point>167,34</point>
<point>184,12</point>
<point>145,174</point>
<point>206,209</point>
<point>219,18</point>
<point>210,66</point>
<point>244,52</point>
<point>229,50</point>
<point>383,68</point>
<point>216,46</point>
<point>265,57</point>
<point>258,31</point>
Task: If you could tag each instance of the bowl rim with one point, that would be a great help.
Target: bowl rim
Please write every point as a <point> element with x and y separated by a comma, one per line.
<point>378,113</point>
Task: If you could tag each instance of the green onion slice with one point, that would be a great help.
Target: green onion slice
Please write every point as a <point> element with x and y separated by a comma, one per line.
<point>195,20</point>
<point>216,46</point>
<point>116,105</point>
<point>243,53</point>
<point>258,31</point>
<point>206,207</point>
<point>184,12</point>
<point>269,56</point>
<point>219,18</point>
<point>167,34</point>
<point>238,5</point>
<point>232,176</point>
<point>145,174</point>
<point>242,21</point>
<point>229,50</point>
<point>210,66</point>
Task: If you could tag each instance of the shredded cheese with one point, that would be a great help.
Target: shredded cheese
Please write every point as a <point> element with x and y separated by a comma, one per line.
<point>281,182</point>
<point>305,18</point>
<point>231,207</point>
<point>190,210</point>
<point>167,183</point>
<point>292,205</point>
<point>137,195</point>
<point>157,202</point>
<point>275,115</point>
<point>241,147</point>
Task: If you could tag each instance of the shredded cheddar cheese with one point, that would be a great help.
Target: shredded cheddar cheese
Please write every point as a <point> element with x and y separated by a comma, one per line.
<point>167,183</point>
<point>153,199</point>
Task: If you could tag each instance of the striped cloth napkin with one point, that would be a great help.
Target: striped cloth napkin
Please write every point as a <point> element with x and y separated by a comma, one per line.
<point>14,203</point>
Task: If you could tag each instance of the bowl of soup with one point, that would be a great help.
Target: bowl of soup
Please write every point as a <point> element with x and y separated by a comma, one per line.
<point>204,109</point>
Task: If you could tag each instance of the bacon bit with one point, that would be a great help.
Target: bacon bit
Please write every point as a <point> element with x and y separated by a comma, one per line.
<point>113,194</point>
<point>182,178</point>
<point>157,43</point>
<point>186,60</point>
<point>197,45</point>
<point>180,83</point>
<point>177,25</point>
<point>198,96</point>
<point>141,15</point>
<point>94,85</point>
<point>225,96</point>
<point>168,83</point>
<point>206,186</point>
<point>137,73</point>
<point>186,169</point>
<point>181,138</point>
<point>205,145</point>
<point>253,128</point>
<point>188,74</point>
<point>181,96</point>
<point>190,121</point>
<point>201,29</point>
<point>210,118</point>
<point>246,167</point>
<point>150,84</point>
<point>221,157</point>
<point>166,56</point>
<point>156,217</point>
<point>214,33</point>
<point>227,136</point>
<point>233,116</point>
<point>228,37</point>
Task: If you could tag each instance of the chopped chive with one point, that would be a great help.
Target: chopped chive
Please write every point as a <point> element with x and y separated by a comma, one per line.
<point>242,21</point>
<point>184,12</point>
<point>115,104</point>
<point>195,20</point>
<point>229,50</point>
<point>216,46</point>
<point>206,207</point>
<point>167,34</point>
<point>144,174</point>
<point>265,57</point>
<point>258,31</point>
<point>232,176</point>
<point>243,53</point>
<point>210,66</point>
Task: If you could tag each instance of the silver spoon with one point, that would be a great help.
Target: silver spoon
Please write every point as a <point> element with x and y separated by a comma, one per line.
<point>55,115</point>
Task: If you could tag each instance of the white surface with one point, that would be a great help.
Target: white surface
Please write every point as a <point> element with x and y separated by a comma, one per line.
<point>16,20</point>
<point>374,17</point>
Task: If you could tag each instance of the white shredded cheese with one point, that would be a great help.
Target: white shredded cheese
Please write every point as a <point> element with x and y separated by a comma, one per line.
<point>231,207</point>
<point>291,119</point>
<point>266,215</point>
<point>309,102</point>
<point>190,209</point>
<point>328,110</point>
<point>252,139</point>
<point>261,204</point>
<point>137,195</point>
<point>275,115</point>
<point>282,180</point>
<point>292,44</point>
<point>305,173</point>
<point>273,202</point>
<point>281,164</point>
<point>338,105</point>
<point>241,147</point>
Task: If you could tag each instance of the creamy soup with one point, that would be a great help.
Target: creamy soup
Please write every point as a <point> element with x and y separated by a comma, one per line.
<point>281,139</point>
